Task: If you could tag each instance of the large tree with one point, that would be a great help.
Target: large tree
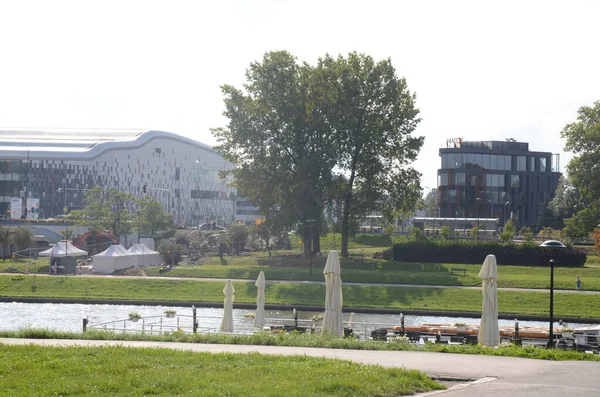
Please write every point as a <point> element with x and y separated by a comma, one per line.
<point>583,139</point>
<point>280,141</point>
<point>152,220</point>
<point>374,118</point>
<point>430,202</point>
<point>106,210</point>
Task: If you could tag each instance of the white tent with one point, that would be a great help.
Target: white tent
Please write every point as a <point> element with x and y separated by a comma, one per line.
<point>146,256</point>
<point>63,249</point>
<point>115,257</point>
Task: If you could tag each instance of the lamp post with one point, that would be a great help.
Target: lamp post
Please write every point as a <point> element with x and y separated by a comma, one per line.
<point>138,213</point>
<point>551,250</point>
<point>477,210</point>
<point>492,209</point>
<point>311,225</point>
<point>25,186</point>
<point>505,204</point>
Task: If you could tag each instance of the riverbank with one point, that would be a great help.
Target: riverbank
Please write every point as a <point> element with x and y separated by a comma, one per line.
<point>301,308</point>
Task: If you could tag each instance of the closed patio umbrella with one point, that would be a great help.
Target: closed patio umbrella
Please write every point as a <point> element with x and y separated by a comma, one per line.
<point>259,317</point>
<point>227,321</point>
<point>332,318</point>
<point>489,334</point>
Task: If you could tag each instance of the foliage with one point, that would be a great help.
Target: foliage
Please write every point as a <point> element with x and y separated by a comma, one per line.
<point>5,237</point>
<point>566,202</point>
<point>596,238</point>
<point>508,233</point>
<point>238,235</point>
<point>416,234</point>
<point>152,220</point>
<point>385,254</point>
<point>170,251</point>
<point>474,232</point>
<point>294,124</point>
<point>22,237</point>
<point>583,139</point>
<point>135,315</point>
<point>445,232</point>
<point>430,203</point>
<point>527,234</point>
<point>460,251</point>
<point>106,210</point>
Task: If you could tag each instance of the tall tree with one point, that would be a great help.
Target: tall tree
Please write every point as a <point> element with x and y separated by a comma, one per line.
<point>279,139</point>
<point>430,202</point>
<point>152,220</point>
<point>374,118</point>
<point>566,202</point>
<point>583,139</point>
<point>106,210</point>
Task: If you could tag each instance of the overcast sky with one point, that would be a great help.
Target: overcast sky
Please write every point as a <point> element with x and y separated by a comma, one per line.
<point>481,70</point>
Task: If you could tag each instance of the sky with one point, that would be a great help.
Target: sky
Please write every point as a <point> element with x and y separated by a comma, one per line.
<point>481,70</point>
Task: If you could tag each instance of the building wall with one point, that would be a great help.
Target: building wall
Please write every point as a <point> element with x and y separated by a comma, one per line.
<point>507,180</point>
<point>182,174</point>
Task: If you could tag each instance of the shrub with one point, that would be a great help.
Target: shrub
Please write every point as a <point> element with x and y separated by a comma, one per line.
<point>445,232</point>
<point>475,251</point>
<point>508,233</point>
<point>385,254</point>
<point>170,252</point>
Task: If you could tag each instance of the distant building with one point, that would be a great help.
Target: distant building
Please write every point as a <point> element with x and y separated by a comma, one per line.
<point>495,179</point>
<point>44,171</point>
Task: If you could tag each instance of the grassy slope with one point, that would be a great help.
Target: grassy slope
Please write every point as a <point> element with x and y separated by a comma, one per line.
<point>576,305</point>
<point>41,370</point>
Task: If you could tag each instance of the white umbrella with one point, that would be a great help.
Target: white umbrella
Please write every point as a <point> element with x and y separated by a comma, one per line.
<point>259,317</point>
<point>352,320</point>
<point>489,334</point>
<point>227,322</point>
<point>332,318</point>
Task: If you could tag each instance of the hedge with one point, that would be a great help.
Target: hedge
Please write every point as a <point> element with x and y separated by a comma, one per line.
<point>474,252</point>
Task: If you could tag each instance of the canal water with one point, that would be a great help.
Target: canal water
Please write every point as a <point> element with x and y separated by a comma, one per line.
<point>69,317</point>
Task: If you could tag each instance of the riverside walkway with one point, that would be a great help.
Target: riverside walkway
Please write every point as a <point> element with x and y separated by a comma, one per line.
<point>473,375</point>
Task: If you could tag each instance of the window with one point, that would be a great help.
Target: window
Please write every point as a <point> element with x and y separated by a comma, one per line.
<point>486,161</point>
<point>459,179</point>
<point>451,196</point>
<point>521,163</point>
<point>493,162</point>
<point>479,160</point>
<point>443,179</point>
<point>470,159</point>
<point>532,164</point>
<point>542,164</point>
<point>507,163</point>
<point>514,181</point>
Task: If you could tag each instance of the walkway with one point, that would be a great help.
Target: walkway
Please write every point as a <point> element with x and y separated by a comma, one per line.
<point>498,376</point>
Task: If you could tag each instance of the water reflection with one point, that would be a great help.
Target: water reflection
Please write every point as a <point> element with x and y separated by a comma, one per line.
<point>69,317</point>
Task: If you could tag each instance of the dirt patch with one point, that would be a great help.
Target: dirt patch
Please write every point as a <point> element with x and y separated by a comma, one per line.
<point>132,271</point>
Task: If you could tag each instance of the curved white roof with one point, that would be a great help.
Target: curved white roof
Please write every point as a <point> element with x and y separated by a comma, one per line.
<point>78,143</point>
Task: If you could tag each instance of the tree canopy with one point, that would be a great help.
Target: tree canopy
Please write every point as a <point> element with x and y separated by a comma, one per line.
<point>305,136</point>
<point>583,139</point>
<point>152,220</point>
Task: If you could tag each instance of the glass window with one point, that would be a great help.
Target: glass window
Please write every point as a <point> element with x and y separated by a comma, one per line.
<point>542,164</point>
<point>479,160</point>
<point>451,196</point>
<point>514,181</point>
<point>486,161</point>
<point>459,178</point>
<point>470,159</point>
<point>445,160</point>
<point>493,162</point>
<point>443,179</point>
<point>521,163</point>
<point>532,163</point>
<point>507,163</point>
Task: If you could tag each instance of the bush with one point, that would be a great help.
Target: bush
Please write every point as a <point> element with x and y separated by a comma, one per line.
<point>474,252</point>
<point>170,252</point>
<point>385,254</point>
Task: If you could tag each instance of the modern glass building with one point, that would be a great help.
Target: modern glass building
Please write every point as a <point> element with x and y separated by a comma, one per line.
<point>53,169</point>
<point>495,179</point>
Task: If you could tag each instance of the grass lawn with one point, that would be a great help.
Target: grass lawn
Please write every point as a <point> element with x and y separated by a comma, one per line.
<point>450,299</point>
<point>119,371</point>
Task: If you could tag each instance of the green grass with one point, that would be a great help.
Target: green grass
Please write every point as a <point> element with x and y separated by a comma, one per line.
<point>119,371</point>
<point>373,296</point>
<point>308,340</point>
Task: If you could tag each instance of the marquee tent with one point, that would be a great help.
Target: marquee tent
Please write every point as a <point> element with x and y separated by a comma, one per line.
<point>146,256</point>
<point>115,257</point>
<point>63,249</point>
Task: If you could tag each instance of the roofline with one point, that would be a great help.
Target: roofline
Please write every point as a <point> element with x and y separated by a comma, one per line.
<point>100,148</point>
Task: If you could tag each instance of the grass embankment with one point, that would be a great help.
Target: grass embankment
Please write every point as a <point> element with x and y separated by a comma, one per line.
<point>42,370</point>
<point>309,340</point>
<point>447,299</point>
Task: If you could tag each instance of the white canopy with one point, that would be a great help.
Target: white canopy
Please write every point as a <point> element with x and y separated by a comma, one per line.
<point>146,256</point>
<point>63,249</point>
<point>115,257</point>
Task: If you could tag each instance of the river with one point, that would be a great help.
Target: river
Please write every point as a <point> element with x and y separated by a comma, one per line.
<point>69,317</point>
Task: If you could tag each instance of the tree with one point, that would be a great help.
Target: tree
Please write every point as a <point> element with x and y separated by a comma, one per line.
<point>152,220</point>
<point>596,238</point>
<point>430,202</point>
<point>238,234</point>
<point>106,210</point>
<point>566,202</point>
<point>583,139</point>
<point>546,217</point>
<point>5,238</point>
<point>373,116</point>
<point>508,233</point>
<point>279,139</point>
<point>170,251</point>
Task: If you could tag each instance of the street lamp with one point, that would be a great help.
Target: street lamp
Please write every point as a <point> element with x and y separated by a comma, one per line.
<point>505,204</point>
<point>477,210</point>
<point>492,209</point>
<point>25,186</point>
<point>551,250</point>
<point>311,225</point>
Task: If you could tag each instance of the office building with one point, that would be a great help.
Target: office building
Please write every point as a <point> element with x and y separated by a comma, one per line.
<point>45,173</point>
<point>495,179</point>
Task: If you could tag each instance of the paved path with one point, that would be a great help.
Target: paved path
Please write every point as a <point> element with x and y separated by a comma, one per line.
<point>497,376</point>
<point>240,280</point>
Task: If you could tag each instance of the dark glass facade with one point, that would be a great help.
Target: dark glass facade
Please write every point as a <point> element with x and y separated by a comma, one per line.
<point>495,179</point>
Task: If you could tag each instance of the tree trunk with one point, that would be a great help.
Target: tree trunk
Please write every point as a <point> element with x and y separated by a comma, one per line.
<point>306,241</point>
<point>316,243</point>
<point>345,227</point>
